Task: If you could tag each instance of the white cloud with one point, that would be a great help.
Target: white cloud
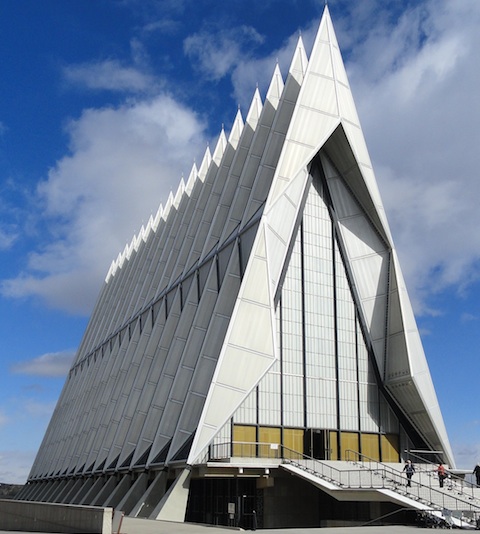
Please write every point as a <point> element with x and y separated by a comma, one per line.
<point>110,75</point>
<point>123,162</point>
<point>54,364</point>
<point>216,53</point>
<point>113,75</point>
<point>7,238</point>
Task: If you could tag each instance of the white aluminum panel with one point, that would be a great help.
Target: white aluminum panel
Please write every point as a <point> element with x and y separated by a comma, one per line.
<point>371,183</point>
<point>345,204</point>
<point>338,66</point>
<point>346,104</point>
<point>409,322</point>
<point>280,220</point>
<point>295,191</point>
<point>361,239</point>
<point>370,274</point>
<point>329,170</point>
<point>296,157</point>
<point>417,360</point>
<point>399,366</point>
<point>395,319</point>
<point>258,291</point>
<point>319,95</point>
<point>324,33</point>
<point>320,60</point>
<point>373,309</point>
<point>256,320</point>
<point>357,142</point>
<point>215,417</point>
<point>245,368</point>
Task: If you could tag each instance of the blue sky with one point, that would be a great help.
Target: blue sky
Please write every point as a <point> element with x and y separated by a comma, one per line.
<point>106,104</point>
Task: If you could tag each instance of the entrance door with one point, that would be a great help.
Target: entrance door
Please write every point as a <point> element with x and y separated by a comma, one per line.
<point>316,444</point>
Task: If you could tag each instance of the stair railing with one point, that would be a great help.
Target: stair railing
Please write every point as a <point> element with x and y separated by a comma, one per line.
<point>426,475</point>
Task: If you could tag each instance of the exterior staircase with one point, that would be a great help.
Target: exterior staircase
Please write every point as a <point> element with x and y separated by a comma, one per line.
<point>456,505</point>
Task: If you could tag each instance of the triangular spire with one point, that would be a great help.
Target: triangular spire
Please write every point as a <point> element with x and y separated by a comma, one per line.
<point>179,193</point>
<point>236,130</point>
<point>220,147</point>
<point>207,159</point>
<point>168,206</point>
<point>298,66</point>
<point>157,218</point>
<point>255,109</point>
<point>275,88</point>
<point>191,179</point>
<point>111,271</point>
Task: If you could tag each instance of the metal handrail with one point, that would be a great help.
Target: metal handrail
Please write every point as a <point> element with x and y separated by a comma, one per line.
<point>453,483</point>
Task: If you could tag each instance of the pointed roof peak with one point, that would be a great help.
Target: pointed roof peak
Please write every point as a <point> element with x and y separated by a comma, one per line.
<point>275,88</point>
<point>255,108</point>
<point>220,147</point>
<point>298,67</point>
<point>207,159</point>
<point>192,177</point>
<point>236,130</point>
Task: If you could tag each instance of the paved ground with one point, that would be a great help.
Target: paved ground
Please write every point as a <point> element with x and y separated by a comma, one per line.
<point>139,526</point>
<point>143,526</point>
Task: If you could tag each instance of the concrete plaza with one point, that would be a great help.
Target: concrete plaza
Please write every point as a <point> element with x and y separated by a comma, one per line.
<point>144,526</point>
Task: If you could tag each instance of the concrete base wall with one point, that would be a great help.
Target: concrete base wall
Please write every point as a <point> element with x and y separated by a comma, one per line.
<point>151,497</point>
<point>173,505</point>
<point>51,517</point>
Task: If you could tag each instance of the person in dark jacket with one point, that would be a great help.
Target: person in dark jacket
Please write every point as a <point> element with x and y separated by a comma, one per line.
<point>476,472</point>
<point>409,470</point>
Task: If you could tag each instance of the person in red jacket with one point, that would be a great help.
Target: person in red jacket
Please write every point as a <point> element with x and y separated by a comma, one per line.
<point>442,475</point>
